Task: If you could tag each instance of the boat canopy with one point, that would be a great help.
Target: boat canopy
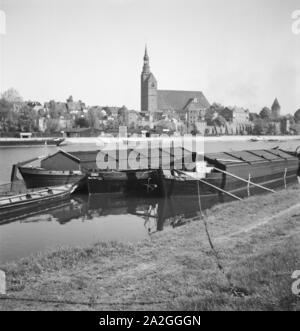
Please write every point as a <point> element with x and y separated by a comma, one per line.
<point>248,157</point>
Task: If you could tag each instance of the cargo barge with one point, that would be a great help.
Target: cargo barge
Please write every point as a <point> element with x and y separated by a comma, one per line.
<point>233,172</point>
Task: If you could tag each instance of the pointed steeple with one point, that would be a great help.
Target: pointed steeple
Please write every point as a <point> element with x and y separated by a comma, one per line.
<point>146,67</point>
<point>276,109</point>
<point>146,56</point>
<point>276,104</point>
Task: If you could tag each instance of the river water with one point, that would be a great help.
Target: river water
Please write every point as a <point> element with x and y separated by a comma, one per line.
<point>88,219</point>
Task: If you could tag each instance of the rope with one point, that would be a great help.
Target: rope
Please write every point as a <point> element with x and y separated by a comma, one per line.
<point>208,234</point>
<point>238,292</point>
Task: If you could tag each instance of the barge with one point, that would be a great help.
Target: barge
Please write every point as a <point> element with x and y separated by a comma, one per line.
<point>233,172</point>
<point>123,182</point>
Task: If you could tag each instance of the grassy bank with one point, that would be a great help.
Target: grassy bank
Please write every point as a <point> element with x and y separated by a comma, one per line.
<point>257,243</point>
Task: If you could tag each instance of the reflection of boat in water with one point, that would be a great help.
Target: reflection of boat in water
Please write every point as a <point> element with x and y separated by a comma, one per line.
<point>157,211</point>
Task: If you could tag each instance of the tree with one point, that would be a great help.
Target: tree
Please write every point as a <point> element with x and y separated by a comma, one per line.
<point>297,116</point>
<point>261,126</point>
<point>212,113</point>
<point>27,119</point>
<point>52,125</point>
<point>5,108</point>
<point>12,95</point>
<point>70,99</point>
<point>253,117</point>
<point>265,113</point>
<point>81,122</point>
<point>295,128</point>
<point>219,121</point>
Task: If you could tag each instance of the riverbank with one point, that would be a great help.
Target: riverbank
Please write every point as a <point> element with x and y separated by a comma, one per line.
<point>95,140</point>
<point>257,243</point>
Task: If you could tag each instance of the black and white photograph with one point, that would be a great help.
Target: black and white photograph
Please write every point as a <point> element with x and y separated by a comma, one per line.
<point>149,158</point>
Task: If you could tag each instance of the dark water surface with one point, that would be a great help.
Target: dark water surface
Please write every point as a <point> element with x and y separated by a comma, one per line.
<point>88,219</point>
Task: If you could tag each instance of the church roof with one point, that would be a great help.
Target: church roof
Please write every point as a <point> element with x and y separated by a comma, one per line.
<point>178,100</point>
<point>276,104</point>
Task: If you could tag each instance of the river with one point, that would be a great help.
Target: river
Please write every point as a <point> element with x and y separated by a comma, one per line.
<point>85,220</point>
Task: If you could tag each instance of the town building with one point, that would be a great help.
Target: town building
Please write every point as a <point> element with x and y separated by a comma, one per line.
<point>74,107</point>
<point>194,114</point>
<point>236,115</point>
<point>42,124</point>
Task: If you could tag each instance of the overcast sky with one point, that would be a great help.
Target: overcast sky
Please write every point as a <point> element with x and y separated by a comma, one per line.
<point>238,52</point>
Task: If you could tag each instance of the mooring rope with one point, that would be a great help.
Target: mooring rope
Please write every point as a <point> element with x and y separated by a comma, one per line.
<point>207,232</point>
<point>234,290</point>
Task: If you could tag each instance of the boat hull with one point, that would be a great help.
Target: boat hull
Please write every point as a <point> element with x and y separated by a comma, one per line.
<point>171,186</point>
<point>31,203</point>
<point>271,175</point>
<point>123,182</point>
<point>35,178</point>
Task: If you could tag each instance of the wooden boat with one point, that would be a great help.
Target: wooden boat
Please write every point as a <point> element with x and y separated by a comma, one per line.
<point>121,182</point>
<point>16,205</point>
<point>35,177</point>
<point>269,168</point>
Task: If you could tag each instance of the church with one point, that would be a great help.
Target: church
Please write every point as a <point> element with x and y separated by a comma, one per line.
<point>154,100</point>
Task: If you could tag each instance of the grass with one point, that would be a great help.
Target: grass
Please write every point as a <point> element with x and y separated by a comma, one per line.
<point>175,269</point>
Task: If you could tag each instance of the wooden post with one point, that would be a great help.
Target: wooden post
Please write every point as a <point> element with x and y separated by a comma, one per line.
<point>248,185</point>
<point>284,177</point>
<point>2,283</point>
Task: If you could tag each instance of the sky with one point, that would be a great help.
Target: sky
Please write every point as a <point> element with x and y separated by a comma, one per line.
<point>237,52</point>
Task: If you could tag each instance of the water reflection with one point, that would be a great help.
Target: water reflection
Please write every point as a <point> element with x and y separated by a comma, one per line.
<point>86,220</point>
<point>156,213</point>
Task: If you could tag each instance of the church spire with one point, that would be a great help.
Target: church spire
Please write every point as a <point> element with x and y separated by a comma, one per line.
<point>146,67</point>
<point>146,56</point>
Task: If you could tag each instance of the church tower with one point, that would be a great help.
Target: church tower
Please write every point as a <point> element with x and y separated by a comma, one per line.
<point>276,109</point>
<point>148,87</point>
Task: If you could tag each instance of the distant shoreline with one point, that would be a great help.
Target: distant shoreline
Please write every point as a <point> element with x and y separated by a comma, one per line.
<point>92,140</point>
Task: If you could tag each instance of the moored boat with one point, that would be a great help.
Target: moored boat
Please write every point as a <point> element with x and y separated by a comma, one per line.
<point>122,182</point>
<point>16,205</point>
<point>35,177</point>
<point>233,172</point>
